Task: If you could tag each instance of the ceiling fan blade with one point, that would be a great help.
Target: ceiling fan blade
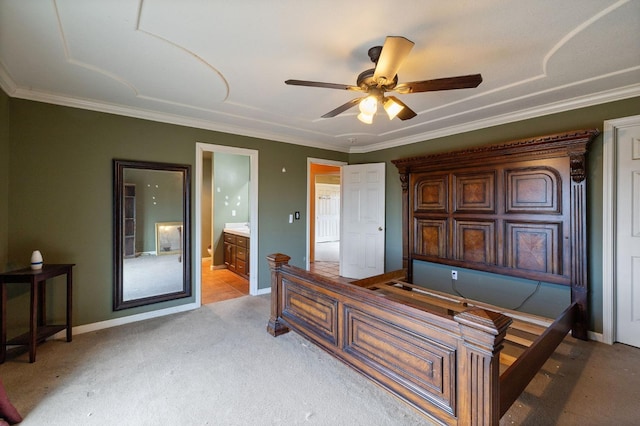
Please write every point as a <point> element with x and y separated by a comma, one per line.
<point>449,83</point>
<point>394,52</point>
<point>323,85</point>
<point>406,113</point>
<point>342,108</point>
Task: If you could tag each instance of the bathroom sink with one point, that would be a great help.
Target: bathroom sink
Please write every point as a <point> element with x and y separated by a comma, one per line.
<point>241,229</point>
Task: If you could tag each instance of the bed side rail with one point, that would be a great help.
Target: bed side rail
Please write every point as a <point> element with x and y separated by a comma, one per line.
<point>516,378</point>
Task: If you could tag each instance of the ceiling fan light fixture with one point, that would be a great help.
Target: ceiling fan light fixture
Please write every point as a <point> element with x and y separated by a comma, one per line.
<point>365,118</point>
<point>392,108</point>
<point>375,82</point>
<point>369,105</point>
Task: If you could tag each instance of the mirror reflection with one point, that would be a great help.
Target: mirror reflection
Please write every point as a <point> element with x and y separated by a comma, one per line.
<point>152,233</point>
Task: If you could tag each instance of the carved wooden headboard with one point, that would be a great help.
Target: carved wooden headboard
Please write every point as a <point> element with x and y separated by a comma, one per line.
<point>516,208</point>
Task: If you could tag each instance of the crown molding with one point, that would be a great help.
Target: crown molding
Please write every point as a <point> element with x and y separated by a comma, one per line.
<point>525,114</point>
<point>7,84</point>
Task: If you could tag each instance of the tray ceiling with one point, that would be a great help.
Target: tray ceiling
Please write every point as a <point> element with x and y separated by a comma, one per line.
<point>221,65</point>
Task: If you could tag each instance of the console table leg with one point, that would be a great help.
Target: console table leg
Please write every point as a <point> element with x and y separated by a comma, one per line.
<point>42,306</point>
<point>33,321</point>
<point>69,304</point>
<point>3,328</point>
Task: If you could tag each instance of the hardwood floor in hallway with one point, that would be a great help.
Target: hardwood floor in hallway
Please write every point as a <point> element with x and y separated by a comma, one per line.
<point>221,284</point>
<point>328,269</point>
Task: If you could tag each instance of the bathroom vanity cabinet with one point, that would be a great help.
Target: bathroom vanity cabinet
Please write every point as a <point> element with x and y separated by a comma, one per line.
<point>236,253</point>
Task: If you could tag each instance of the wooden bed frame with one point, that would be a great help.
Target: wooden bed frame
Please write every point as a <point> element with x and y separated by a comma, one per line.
<point>457,361</point>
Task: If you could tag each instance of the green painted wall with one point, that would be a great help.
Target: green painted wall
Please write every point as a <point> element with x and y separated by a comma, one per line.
<point>4,178</point>
<point>206,203</point>
<point>60,197</point>
<point>498,289</point>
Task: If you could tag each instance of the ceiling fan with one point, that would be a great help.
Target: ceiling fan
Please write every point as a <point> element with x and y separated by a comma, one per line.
<point>375,82</point>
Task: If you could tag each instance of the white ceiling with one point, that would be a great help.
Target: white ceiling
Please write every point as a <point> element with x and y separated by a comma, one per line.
<point>222,64</point>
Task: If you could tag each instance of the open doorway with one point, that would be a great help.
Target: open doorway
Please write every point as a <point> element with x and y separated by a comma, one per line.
<point>323,222</point>
<point>220,204</point>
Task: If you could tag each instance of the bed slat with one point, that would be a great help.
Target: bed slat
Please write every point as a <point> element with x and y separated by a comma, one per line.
<point>527,327</point>
<point>519,340</point>
<point>517,377</point>
<point>400,274</point>
<point>430,301</point>
<point>507,360</point>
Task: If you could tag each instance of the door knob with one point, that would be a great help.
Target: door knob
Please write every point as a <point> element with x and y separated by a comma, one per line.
<point>379,228</point>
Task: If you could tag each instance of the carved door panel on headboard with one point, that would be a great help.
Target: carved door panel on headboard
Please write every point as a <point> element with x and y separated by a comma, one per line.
<point>504,216</point>
<point>516,208</point>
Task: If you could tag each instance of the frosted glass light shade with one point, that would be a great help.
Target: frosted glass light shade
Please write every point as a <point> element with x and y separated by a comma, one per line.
<point>392,108</point>
<point>365,118</point>
<point>369,105</point>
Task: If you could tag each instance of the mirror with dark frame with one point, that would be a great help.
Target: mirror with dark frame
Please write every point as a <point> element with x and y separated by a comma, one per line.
<point>152,261</point>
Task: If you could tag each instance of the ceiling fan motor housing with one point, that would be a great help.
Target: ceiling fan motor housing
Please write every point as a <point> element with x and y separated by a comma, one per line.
<point>374,53</point>
<point>366,81</point>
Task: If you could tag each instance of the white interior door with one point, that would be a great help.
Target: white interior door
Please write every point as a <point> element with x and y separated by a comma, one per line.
<point>327,212</point>
<point>628,236</point>
<point>363,220</point>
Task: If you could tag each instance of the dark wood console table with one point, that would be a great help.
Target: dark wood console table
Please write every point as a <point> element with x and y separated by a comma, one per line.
<point>39,330</point>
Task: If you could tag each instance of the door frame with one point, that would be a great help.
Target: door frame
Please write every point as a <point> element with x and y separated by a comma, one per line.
<point>202,147</point>
<point>310,161</point>
<point>609,241</point>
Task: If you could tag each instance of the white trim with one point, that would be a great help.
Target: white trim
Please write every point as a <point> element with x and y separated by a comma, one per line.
<point>310,161</point>
<point>262,291</point>
<point>201,147</point>
<point>9,86</point>
<point>510,117</point>
<point>609,200</point>
<point>87,328</point>
<point>596,337</point>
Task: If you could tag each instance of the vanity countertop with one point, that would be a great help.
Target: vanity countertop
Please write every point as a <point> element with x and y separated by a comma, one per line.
<point>241,229</point>
<point>243,232</point>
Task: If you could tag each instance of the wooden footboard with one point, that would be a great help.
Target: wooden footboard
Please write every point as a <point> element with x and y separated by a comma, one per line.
<point>457,361</point>
<point>445,366</point>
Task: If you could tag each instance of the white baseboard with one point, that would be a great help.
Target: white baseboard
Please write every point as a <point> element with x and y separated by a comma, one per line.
<point>597,337</point>
<point>262,291</point>
<point>87,328</point>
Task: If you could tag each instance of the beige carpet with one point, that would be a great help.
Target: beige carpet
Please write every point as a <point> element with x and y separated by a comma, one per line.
<point>218,366</point>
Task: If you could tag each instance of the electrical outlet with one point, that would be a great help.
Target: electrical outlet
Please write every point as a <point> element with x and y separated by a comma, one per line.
<point>454,275</point>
